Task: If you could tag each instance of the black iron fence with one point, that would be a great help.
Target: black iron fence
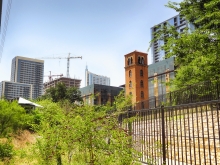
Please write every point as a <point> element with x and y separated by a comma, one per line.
<point>205,91</point>
<point>183,134</point>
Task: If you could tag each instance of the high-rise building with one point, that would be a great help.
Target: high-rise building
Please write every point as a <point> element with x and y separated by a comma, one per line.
<point>10,90</point>
<point>91,78</point>
<point>136,76</point>
<point>28,71</point>
<point>180,24</point>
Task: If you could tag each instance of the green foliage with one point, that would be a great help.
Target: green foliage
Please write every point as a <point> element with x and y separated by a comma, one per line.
<point>197,52</point>
<point>12,118</point>
<point>60,93</point>
<point>6,151</point>
<point>122,103</point>
<point>82,135</point>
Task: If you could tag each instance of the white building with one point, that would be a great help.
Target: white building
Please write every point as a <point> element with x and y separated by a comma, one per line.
<point>91,78</point>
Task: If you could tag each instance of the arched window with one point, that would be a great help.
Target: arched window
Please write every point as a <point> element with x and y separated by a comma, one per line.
<point>130,73</point>
<point>139,60</point>
<point>142,94</point>
<point>141,73</point>
<point>141,83</point>
<point>130,84</point>
<point>142,60</point>
<point>128,61</point>
<point>131,60</point>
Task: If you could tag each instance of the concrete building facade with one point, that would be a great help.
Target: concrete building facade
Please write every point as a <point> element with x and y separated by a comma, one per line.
<point>91,78</point>
<point>136,76</point>
<point>10,90</point>
<point>28,71</point>
<point>97,94</point>
<point>69,82</point>
<point>180,24</point>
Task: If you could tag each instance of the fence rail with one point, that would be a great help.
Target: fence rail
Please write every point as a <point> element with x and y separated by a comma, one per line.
<point>204,91</point>
<point>183,134</point>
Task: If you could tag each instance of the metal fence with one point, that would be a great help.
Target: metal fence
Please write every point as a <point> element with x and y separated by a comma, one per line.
<point>204,91</point>
<point>183,134</point>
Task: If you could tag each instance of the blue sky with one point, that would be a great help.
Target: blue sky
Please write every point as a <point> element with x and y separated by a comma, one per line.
<point>101,31</point>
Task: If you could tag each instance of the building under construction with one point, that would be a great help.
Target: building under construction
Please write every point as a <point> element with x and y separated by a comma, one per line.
<point>69,82</point>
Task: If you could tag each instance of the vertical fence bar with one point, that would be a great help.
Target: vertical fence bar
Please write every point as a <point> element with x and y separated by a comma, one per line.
<point>163,135</point>
<point>189,133</point>
<point>213,130</point>
<point>198,133</point>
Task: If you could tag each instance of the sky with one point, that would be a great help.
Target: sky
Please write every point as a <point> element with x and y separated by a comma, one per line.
<point>101,31</point>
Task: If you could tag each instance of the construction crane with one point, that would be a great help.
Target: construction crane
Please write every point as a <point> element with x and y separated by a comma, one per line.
<point>68,62</point>
<point>50,76</point>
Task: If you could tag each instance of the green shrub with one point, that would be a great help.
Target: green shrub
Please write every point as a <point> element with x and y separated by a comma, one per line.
<point>6,151</point>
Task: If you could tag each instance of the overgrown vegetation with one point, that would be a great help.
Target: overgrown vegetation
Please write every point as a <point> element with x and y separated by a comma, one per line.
<point>73,134</point>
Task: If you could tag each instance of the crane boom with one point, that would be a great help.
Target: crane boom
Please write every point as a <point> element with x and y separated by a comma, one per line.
<point>68,62</point>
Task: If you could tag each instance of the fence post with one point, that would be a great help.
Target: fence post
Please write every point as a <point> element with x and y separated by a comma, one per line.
<point>217,90</point>
<point>163,135</point>
<point>130,126</point>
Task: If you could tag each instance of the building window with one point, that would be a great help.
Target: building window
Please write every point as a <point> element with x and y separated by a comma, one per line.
<point>129,61</point>
<point>140,60</point>
<point>142,94</point>
<point>130,84</point>
<point>130,93</point>
<point>141,73</point>
<point>141,83</point>
<point>130,73</point>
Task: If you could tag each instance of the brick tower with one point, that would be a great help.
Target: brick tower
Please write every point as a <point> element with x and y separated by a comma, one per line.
<point>136,76</point>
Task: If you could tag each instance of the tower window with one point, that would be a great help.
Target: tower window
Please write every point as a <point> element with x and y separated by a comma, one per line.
<point>139,60</point>
<point>130,73</point>
<point>142,94</point>
<point>141,73</point>
<point>131,60</point>
<point>141,83</point>
<point>130,84</point>
<point>142,60</point>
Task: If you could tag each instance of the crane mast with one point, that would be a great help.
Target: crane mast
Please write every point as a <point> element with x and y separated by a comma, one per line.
<point>68,62</point>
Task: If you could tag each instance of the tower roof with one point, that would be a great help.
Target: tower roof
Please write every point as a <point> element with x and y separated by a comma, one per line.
<point>136,52</point>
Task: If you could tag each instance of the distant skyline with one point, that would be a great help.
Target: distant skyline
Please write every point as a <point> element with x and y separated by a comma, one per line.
<point>101,31</point>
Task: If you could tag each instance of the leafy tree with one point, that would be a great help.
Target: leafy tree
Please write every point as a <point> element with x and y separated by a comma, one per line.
<point>73,94</point>
<point>60,93</point>
<point>12,118</point>
<point>84,135</point>
<point>196,53</point>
